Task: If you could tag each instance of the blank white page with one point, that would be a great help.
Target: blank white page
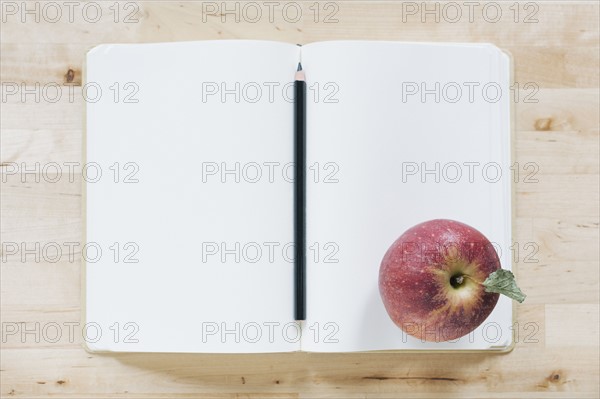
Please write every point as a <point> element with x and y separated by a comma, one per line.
<point>181,295</point>
<point>364,138</point>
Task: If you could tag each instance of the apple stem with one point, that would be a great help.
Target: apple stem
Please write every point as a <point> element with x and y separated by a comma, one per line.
<point>472,279</point>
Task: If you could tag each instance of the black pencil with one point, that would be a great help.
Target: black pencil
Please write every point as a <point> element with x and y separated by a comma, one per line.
<point>300,194</point>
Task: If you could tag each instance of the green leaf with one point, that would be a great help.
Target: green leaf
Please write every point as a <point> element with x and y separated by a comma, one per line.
<point>503,282</point>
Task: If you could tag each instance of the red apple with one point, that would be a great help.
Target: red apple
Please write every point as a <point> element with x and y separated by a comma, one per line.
<point>431,280</point>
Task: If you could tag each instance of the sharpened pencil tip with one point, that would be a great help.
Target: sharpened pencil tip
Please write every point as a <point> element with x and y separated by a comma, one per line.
<point>299,66</point>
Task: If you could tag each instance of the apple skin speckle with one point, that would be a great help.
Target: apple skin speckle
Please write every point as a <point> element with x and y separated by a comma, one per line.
<point>415,280</point>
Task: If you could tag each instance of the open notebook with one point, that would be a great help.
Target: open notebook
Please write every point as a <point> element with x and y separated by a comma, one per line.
<point>193,211</point>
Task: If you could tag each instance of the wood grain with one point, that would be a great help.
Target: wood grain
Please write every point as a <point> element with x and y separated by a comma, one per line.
<point>557,353</point>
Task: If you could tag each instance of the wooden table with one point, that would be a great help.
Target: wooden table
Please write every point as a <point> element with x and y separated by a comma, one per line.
<point>556,57</point>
